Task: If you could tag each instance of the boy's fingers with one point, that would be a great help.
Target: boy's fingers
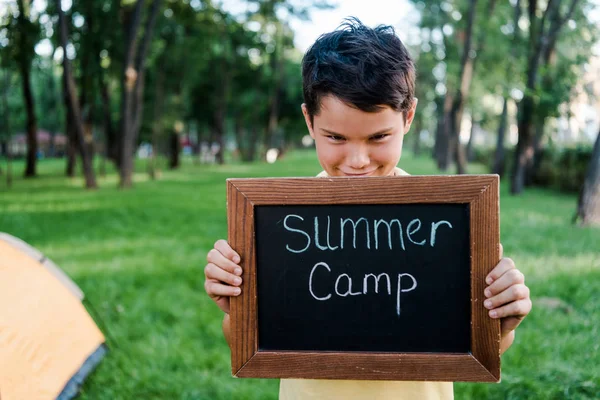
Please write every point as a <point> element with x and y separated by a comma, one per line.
<point>511,277</point>
<point>513,293</point>
<point>509,324</point>
<point>213,272</point>
<point>517,309</point>
<point>224,248</point>
<point>217,258</point>
<point>216,289</point>
<point>503,266</point>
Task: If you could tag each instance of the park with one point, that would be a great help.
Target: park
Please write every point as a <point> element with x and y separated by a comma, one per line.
<point>121,123</point>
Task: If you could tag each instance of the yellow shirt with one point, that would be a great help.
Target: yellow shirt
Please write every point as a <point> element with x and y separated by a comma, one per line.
<point>313,389</point>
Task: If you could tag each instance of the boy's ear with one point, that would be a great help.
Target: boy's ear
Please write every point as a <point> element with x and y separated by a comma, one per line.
<point>307,120</point>
<point>410,115</point>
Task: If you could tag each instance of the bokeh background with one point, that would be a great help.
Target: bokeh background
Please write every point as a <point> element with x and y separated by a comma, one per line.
<point>114,155</point>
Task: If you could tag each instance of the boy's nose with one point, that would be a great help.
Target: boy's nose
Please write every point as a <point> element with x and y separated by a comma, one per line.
<point>358,158</point>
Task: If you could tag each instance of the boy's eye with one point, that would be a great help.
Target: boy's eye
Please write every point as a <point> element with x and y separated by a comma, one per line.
<point>379,137</point>
<point>336,138</point>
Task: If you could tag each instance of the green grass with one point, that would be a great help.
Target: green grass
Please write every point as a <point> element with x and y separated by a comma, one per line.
<point>139,255</point>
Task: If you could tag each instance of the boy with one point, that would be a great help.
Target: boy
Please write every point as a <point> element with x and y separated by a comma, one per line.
<point>358,86</point>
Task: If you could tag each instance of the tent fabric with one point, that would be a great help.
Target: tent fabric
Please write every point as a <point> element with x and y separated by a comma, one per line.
<point>37,255</point>
<point>46,334</point>
<point>72,387</point>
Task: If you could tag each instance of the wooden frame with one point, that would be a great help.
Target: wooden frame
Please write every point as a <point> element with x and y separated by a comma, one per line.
<point>479,191</point>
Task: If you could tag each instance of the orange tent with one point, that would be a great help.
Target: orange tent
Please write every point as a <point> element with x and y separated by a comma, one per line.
<point>48,341</point>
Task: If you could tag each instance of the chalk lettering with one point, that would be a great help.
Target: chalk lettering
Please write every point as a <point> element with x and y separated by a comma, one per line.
<point>349,291</point>
<point>317,235</point>
<point>354,225</point>
<point>328,227</point>
<point>377,278</point>
<point>310,281</point>
<point>400,290</point>
<point>373,228</point>
<point>434,226</point>
<point>389,231</point>
<point>411,232</point>
<point>287,246</point>
<point>345,279</point>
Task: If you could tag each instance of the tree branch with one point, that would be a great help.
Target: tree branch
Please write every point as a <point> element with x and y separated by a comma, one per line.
<point>549,8</point>
<point>148,31</point>
<point>570,12</point>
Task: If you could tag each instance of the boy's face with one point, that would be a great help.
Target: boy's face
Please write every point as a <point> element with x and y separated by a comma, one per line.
<point>352,142</point>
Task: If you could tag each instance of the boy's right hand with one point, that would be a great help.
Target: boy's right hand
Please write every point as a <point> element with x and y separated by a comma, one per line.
<point>223,274</point>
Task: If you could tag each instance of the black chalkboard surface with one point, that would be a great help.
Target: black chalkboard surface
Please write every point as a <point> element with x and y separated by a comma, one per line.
<point>387,281</point>
<point>365,278</point>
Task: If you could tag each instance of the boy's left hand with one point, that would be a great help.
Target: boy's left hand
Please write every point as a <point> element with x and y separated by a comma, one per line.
<point>507,298</point>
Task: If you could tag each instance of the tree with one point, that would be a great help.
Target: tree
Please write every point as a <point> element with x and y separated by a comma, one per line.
<point>25,36</point>
<point>588,208</point>
<point>132,86</point>
<point>499,154</point>
<point>462,92</point>
<point>7,128</point>
<point>439,63</point>
<point>543,35</point>
<point>279,41</point>
<point>75,111</point>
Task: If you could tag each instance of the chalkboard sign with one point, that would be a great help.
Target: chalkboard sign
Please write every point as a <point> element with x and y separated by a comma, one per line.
<point>368,278</point>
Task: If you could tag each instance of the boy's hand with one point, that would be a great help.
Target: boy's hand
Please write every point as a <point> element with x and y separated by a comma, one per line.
<point>507,298</point>
<point>223,274</point>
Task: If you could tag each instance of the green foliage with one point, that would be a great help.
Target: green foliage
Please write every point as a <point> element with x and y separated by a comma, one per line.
<point>500,55</point>
<point>206,64</point>
<point>22,32</point>
<point>560,168</point>
<point>564,168</point>
<point>15,115</point>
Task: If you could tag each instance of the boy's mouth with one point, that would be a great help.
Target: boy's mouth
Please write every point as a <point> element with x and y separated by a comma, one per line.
<point>358,174</point>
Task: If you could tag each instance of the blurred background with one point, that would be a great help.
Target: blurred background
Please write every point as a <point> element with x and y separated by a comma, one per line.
<point>154,103</point>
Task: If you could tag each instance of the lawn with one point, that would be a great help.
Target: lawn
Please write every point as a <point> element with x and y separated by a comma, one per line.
<point>139,255</point>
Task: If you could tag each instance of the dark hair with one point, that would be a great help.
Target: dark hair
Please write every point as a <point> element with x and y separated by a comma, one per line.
<point>366,68</point>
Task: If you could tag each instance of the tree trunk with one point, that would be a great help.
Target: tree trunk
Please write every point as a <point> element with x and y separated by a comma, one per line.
<point>439,116</point>
<point>175,149</point>
<point>443,144</point>
<point>525,146</point>
<point>219,132</point>
<point>277,71</point>
<point>541,42</point>
<point>71,137</point>
<point>111,149</point>
<point>220,112</point>
<point>240,135</point>
<point>588,209</point>
<point>252,148</point>
<point>88,170</point>
<point>466,75</point>
<point>133,88</point>
<point>500,153</point>
<point>459,154</point>
<point>156,126</point>
<point>417,136</point>
<point>534,165</point>
<point>499,158</point>
<point>86,92</point>
<point>128,81</point>
<point>7,127</point>
<point>470,155</point>
<point>25,70</point>
<point>138,105</point>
